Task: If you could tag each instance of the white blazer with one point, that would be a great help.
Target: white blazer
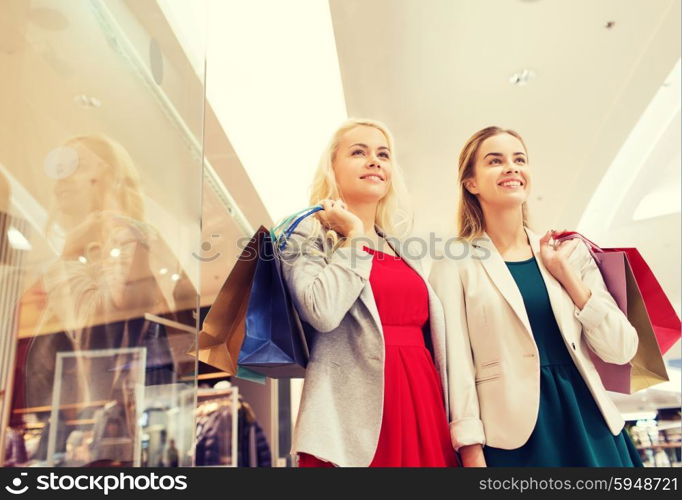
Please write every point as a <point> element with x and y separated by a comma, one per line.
<point>492,359</point>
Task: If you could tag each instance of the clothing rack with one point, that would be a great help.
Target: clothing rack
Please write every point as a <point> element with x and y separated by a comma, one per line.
<point>223,397</point>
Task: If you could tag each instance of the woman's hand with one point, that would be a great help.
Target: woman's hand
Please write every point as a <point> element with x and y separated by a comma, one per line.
<point>337,217</point>
<point>555,255</point>
<point>472,456</point>
<point>555,259</point>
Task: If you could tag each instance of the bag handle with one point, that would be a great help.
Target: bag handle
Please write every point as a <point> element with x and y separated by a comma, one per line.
<point>286,221</point>
<point>287,233</point>
<point>591,246</point>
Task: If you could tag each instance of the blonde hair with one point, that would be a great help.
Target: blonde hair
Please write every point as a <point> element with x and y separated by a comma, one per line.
<point>121,180</point>
<point>393,214</point>
<point>470,220</point>
<point>120,189</point>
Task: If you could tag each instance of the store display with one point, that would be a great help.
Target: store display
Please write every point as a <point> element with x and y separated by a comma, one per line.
<point>227,431</point>
<point>12,255</point>
<point>15,448</point>
<point>659,440</point>
<point>254,450</point>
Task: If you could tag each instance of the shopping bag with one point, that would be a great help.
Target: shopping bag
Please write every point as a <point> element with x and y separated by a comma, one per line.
<point>275,343</point>
<point>664,319</point>
<point>647,368</point>
<point>223,329</point>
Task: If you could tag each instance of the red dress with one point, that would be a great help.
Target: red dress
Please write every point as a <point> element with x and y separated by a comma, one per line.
<point>414,427</point>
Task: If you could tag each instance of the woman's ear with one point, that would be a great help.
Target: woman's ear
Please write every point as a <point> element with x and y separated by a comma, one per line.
<point>470,185</point>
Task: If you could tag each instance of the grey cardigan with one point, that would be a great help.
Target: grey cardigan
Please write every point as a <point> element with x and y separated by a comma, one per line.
<point>342,402</point>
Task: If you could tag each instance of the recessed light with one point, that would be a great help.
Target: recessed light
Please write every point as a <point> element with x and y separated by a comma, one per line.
<point>522,77</point>
<point>87,101</point>
<point>17,239</point>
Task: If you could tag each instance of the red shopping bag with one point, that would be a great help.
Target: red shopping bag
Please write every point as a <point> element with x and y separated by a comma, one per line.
<point>647,368</point>
<point>664,320</point>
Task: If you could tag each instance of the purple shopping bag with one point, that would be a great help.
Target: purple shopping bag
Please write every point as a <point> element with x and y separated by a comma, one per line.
<point>647,367</point>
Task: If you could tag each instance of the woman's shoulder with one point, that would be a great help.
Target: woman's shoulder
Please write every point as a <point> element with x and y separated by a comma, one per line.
<point>308,230</point>
<point>308,226</point>
<point>453,256</point>
<point>307,238</point>
<point>457,250</point>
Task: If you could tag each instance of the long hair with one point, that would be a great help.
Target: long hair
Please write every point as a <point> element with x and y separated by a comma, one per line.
<point>120,186</point>
<point>120,176</point>
<point>393,212</point>
<point>470,220</point>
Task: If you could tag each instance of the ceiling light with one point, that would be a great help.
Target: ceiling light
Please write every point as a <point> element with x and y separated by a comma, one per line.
<point>87,101</point>
<point>522,77</point>
<point>17,240</point>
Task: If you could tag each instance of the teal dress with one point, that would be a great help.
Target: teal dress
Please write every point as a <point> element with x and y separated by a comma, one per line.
<point>570,430</point>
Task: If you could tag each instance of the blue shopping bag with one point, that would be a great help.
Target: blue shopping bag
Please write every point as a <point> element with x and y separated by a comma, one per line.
<point>275,342</point>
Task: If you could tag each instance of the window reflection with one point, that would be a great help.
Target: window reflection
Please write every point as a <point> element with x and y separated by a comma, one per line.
<point>100,204</point>
<point>105,293</point>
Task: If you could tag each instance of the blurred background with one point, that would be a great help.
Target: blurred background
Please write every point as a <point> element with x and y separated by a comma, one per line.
<point>212,114</point>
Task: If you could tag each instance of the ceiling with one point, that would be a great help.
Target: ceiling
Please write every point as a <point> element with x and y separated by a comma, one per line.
<point>437,71</point>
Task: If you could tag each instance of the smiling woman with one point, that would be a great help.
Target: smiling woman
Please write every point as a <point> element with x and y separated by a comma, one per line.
<point>470,213</point>
<point>520,325</point>
<point>359,151</point>
<point>374,387</point>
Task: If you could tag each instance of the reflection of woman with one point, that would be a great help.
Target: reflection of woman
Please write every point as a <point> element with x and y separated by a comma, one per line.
<point>103,270</point>
<point>97,292</point>
<point>521,317</point>
<point>372,395</point>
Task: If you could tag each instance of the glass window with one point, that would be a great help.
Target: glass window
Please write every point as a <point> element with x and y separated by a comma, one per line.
<point>100,207</point>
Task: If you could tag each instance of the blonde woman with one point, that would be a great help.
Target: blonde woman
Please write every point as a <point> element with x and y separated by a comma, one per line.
<point>372,394</point>
<point>522,314</point>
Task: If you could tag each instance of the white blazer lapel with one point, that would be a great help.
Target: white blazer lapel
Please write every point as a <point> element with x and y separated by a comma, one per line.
<point>501,276</point>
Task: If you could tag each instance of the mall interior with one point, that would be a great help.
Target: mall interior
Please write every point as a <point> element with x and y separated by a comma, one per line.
<point>196,122</point>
